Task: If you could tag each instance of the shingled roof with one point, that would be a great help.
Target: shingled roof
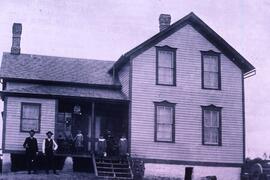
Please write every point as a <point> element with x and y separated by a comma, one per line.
<point>56,69</point>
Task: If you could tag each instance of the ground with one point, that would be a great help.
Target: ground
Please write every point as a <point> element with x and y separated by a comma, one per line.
<point>43,176</point>
<point>61,176</point>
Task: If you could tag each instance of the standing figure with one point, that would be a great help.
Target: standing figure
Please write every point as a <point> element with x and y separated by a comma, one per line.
<point>110,144</point>
<point>78,142</point>
<point>48,148</point>
<point>31,151</point>
<point>101,148</point>
<point>122,147</point>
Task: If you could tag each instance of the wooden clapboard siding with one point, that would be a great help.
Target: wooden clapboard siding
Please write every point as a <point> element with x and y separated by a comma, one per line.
<point>189,97</point>
<point>13,137</point>
<point>123,76</point>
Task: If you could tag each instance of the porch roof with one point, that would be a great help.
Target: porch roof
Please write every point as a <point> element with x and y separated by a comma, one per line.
<point>68,91</point>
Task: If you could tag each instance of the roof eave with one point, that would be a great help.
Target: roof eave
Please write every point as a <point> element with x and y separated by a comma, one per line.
<point>62,83</point>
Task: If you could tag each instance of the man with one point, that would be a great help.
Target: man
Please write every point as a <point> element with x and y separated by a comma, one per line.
<point>48,148</point>
<point>31,151</point>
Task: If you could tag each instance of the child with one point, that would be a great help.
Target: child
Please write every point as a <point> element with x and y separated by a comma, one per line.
<point>122,147</point>
<point>78,141</point>
<point>102,146</point>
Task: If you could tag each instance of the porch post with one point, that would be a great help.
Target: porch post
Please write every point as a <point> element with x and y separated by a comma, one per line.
<point>93,128</point>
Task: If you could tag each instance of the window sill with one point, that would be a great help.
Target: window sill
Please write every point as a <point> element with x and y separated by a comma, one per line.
<point>165,84</point>
<point>218,89</point>
<point>164,141</point>
<point>205,144</point>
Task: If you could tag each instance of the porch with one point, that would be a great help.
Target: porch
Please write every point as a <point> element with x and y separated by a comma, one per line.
<point>91,119</point>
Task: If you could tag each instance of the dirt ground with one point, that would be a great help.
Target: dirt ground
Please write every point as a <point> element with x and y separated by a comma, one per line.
<point>43,176</point>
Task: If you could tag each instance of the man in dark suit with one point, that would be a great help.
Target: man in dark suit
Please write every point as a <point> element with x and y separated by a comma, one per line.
<point>31,151</point>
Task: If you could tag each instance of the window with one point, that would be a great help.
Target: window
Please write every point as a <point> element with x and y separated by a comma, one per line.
<point>166,66</point>
<point>30,117</point>
<point>164,121</point>
<point>211,70</point>
<point>211,125</point>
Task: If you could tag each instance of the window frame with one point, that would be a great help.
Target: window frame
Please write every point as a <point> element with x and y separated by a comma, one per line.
<point>39,118</point>
<point>166,104</point>
<point>170,49</point>
<point>211,53</point>
<point>219,110</point>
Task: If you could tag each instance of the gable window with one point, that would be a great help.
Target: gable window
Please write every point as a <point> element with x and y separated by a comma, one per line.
<point>164,121</point>
<point>211,125</point>
<point>211,75</point>
<point>166,66</point>
<point>30,117</point>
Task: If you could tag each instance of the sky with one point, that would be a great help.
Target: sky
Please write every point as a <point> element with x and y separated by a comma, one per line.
<point>105,29</point>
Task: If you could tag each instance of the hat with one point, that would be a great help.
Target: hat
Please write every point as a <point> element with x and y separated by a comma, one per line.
<point>49,132</point>
<point>32,130</point>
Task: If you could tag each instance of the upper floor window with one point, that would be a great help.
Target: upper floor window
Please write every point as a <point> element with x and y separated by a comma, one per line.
<point>211,76</point>
<point>30,117</point>
<point>211,125</point>
<point>166,66</point>
<point>164,121</point>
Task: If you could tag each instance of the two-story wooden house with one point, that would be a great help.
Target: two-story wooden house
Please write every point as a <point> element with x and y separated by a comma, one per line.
<point>178,97</point>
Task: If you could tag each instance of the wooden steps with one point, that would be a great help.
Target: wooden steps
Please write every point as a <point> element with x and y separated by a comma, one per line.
<point>112,168</point>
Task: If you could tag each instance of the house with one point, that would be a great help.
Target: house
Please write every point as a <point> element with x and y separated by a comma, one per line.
<point>178,97</point>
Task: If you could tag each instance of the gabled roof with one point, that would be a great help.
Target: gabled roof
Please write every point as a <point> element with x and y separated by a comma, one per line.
<point>57,69</point>
<point>201,27</point>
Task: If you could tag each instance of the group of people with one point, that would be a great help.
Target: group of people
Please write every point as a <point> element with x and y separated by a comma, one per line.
<point>49,146</point>
<point>105,147</point>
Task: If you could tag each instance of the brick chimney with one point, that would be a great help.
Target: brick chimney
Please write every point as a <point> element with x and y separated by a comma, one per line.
<point>16,38</point>
<point>164,21</point>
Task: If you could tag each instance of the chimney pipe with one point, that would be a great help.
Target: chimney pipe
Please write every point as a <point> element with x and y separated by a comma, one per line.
<point>16,38</point>
<point>164,21</point>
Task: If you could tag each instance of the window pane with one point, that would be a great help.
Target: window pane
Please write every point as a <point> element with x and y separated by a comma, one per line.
<point>210,79</point>
<point>165,76</point>
<point>215,119</point>
<point>206,135</point>
<point>165,59</point>
<point>30,111</point>
<point>207,118</point>
<point>210,63</point>
<point>28,124</point>
<point>164,132</point>
<point>211,135</point>
<point>164,114</point>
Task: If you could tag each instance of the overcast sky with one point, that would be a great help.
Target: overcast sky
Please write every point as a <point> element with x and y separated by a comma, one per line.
<point>104,30</point>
